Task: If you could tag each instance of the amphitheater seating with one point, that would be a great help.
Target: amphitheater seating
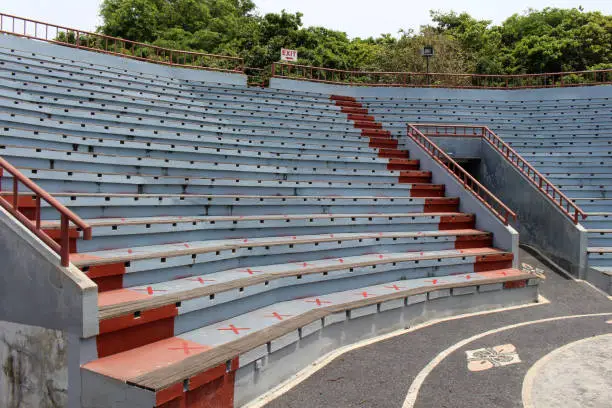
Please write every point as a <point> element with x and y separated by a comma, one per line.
<point>220,211</point>
<point>568,140</point>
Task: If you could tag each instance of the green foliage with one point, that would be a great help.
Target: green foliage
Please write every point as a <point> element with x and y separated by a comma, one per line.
<point>549,40</point>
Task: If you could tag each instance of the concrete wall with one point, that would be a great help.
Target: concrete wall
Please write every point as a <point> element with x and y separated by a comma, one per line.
<point>35,290</point>
<point>58,51</point>
<point>262,375</point>
<point>601,91</point>
<point>33,367</point>
<point>540,222</point>
<point>48,317</point>
<point>504,237</point>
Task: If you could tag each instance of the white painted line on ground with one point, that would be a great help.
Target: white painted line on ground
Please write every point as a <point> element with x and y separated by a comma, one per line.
<point>535,369</point>
<point>595,287</point>
<point>321,362</point>
<point>413,391</point>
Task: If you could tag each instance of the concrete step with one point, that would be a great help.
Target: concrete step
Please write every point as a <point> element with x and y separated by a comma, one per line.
<point>99,182</point>
<point>198,362</point>
<point>146,265</point>
<point>148,205</point>
<point>127,232</point>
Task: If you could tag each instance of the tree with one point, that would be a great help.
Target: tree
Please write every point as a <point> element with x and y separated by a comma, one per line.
<point>537,41</point>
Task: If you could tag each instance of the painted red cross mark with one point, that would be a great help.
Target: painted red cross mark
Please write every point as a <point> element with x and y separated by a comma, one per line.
<point>504,273</point>
<point>468,277</point>
<point>305,264</point>
<point>318,301</point>
<point>331,235</point>
<point>149,290</point>
<point>249,271</point>
<point>233,328</point>
<point>186,349</point>
<point>294,237</point>
<point>245,240</point>
<point>435,281</point>
<point>201,280</point>
<point>381,256</point>
<point>366,294</point>
<point>186,245</point>
<point>340,260</point>
<point>278,316</point>
<point>395,287</point>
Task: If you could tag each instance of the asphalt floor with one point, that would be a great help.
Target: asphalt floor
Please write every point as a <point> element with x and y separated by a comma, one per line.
<point>380,374</point>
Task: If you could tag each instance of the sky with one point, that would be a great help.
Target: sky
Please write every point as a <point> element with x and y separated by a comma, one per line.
<point>358,18</point>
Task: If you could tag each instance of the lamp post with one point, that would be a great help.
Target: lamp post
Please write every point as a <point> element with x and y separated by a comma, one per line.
<point>427,52</point>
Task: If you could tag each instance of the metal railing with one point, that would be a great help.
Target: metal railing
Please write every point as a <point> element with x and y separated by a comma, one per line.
<point>12,206</point>
<point>440,80</point>
<point>256,76</point>
<point>488,199</point>
<point>566,205</point>
<point>72,37</point>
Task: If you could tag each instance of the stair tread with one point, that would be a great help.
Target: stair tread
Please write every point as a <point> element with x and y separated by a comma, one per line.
<point>129,300</point>
<point>134,178</point>
<point>605,250</point>
<point>171,249</point>
<point>157,365</point>
<point>99,222</point>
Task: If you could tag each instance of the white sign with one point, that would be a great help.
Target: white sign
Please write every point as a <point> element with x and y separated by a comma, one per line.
<point>288,55</point>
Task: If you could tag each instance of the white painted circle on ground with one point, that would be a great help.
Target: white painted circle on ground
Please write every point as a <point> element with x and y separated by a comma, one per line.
<point>576,375</point>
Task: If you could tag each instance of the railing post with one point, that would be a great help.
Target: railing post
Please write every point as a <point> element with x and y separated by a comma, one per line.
<point>576,216</point>
<point>273,69</point>
<point>15,192</point>
<point>65,241</point>
<point>37,212</point>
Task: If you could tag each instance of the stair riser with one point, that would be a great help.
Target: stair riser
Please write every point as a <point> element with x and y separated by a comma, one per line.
<point>119,186</point>
<point>125,236</point>
<point>150,271</point>
<point>343,160</point>
<point>302,173</point>
<point>118,211</point>
<point>254,143</point>
<point>196,313</point>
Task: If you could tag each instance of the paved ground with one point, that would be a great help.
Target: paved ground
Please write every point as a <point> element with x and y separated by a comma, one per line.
<point>381,374</point>
<point>578,375</point>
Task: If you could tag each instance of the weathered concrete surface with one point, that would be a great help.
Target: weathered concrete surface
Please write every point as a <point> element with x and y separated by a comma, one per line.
<point>53,308</point>
<point>255,378</point>
<point>34,288</point>
<point>103,392</point>
<point>504,237</point>
<point>23,44</point>
<point>601,278</point>
<point>33,367</point>
<point>540,223</point>
<point>578,375</point>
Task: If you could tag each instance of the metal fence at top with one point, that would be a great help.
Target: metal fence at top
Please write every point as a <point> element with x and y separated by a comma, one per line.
<point>440,80</point>
<point>71,37</point>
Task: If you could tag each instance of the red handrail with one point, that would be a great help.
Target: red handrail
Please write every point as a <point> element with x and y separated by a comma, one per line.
<point>488,199</point>
<point>551,191</point>
<point>440,80</point>
<point>106,44</point>
<point>67,216</point>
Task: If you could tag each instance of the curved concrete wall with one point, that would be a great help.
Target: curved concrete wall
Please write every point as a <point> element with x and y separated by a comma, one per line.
<point>58,51</point>
<point>600,91</point>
